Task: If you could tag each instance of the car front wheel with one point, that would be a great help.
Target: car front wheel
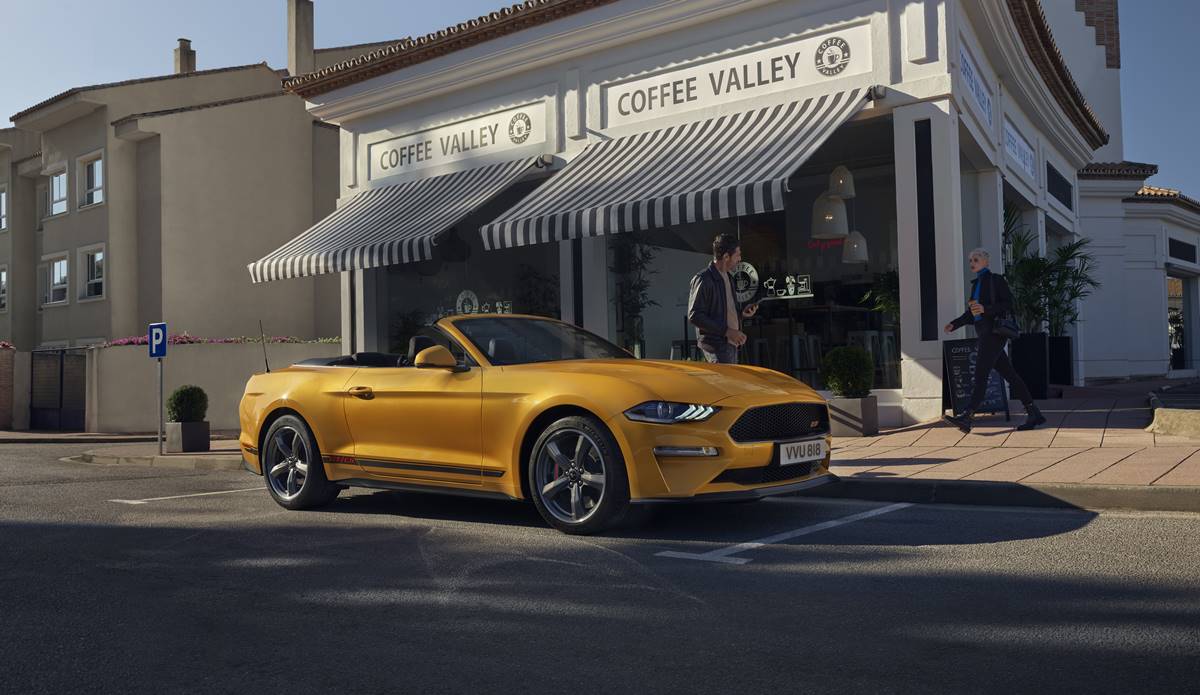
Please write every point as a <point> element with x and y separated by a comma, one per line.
<point>577,476</point>
<point>293,468</point>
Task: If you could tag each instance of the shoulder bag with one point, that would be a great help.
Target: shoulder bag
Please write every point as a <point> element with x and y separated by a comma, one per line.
<point>1003,325</point>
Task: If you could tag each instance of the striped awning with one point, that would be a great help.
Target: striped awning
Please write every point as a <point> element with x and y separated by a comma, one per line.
<point>723,167</point>
<point>388,225</point>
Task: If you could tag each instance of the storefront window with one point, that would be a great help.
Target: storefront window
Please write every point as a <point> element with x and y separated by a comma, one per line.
<point>814,294</point>
<point>465,279</point>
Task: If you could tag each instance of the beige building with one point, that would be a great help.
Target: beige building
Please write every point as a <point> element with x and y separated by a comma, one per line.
<point>139,201</point>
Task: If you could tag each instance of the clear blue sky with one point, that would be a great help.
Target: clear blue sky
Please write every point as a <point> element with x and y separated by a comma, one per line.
<point>53,45</point>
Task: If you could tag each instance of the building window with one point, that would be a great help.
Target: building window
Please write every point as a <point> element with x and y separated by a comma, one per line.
<point>1058,186</point>
<point>3,288</point>
<point>3,208</point>
<point>53,280</point>
<point>91,263</point>
<point>91,179</point>
<point>56,203</point>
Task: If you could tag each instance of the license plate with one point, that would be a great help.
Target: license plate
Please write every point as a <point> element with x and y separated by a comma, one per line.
<point>800,452</point>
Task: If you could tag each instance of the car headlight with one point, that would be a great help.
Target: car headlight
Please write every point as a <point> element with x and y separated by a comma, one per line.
<point>666,413</point>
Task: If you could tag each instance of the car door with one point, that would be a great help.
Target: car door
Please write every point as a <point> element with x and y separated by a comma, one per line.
<point>421,425</point>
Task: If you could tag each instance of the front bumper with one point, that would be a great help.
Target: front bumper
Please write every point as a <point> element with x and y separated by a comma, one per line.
<point>738,470</point>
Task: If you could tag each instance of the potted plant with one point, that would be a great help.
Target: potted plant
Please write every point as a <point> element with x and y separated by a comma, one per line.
<point>186,428</point>
<point>1070,282</point>
<point>633,263</point>
<point>849,373</point>
<point>1028,274</point>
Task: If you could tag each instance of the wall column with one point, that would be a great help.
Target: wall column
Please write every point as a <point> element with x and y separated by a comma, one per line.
<point>121,275</point>
<point>929,223</point>
<point>991,213</point>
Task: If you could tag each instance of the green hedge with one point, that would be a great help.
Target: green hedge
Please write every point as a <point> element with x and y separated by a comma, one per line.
<point>849,372</point>
<point>187,404</point>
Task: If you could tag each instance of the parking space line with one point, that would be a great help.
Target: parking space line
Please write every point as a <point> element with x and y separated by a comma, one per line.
<point>178,497</point>
<point>725,555</point>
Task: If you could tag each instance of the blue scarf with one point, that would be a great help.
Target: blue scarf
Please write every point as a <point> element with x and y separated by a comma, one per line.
<point>979,277</point>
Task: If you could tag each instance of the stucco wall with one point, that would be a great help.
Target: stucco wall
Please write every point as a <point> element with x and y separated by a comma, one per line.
<point>122,382</point>
<point>223,208</point>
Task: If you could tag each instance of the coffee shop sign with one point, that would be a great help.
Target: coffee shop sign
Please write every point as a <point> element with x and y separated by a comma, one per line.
<point>784,66</point>
<point>494,133</point>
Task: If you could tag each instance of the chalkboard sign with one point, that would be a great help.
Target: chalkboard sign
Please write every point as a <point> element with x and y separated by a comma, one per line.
<point>958,380</point>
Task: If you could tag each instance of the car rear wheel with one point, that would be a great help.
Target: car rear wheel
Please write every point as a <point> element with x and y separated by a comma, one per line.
<point>292,466</point>
<point>577,476</point>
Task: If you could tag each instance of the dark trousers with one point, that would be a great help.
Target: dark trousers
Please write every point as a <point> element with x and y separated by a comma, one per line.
<point>724,353</point>
<point>992,356</point>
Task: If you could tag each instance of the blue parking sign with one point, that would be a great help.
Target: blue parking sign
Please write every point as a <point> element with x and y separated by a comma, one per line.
<point>157,338</point>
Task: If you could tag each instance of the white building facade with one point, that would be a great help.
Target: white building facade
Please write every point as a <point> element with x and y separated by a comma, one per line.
<point>535,150</point>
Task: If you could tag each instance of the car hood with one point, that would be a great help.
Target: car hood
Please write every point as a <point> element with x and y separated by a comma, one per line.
<point>685,381</point>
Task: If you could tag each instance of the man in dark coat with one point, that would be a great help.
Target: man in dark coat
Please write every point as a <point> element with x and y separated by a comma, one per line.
<point>712,307</point>
<point>990,299</point>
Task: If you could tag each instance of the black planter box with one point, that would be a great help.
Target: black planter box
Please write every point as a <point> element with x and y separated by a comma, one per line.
<point>1062,367</point>
<point>1030,353</point>
<point>183,437</point>
<point>854,417</point>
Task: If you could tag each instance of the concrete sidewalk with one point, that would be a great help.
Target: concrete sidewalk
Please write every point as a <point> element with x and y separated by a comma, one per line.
<point>223,456</point>
<point>1092,452</point>
<point>55,437</point>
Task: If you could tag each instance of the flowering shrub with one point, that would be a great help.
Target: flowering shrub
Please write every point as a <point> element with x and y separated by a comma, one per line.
<point>5,345</point>
<point>185,339</point>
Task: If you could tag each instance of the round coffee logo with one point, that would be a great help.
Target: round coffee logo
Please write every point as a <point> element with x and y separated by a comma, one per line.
<point>833,55</point>
<point>519,128</point>
<point>467,303</point>
<point>745,282</point>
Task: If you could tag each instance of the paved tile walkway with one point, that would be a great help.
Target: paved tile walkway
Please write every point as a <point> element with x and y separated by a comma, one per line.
<point>1093,436</point>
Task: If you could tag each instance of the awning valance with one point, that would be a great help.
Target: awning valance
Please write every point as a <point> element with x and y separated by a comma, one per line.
<point>726,166</point>
<point>388,225</point>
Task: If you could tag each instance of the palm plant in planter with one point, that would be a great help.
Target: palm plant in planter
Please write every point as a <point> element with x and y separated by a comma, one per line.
<point>632,262</point>
<point>1070,281</point>
<point>849,373</point>
<point>186,428</point>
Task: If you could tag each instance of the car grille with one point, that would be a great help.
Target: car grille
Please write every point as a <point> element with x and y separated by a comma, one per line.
<point>767,474</point>
<point>781,422</point>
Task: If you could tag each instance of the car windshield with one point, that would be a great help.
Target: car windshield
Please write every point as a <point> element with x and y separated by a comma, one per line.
<point>514,340</point>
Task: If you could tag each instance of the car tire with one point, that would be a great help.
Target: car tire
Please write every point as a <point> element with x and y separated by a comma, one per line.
<point>577,476</point>
<point>292,466</point>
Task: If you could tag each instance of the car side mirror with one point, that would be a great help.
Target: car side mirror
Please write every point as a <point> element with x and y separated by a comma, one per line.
<point>436,357</point>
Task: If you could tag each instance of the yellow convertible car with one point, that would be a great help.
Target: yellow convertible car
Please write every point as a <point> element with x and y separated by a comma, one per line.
<point>530,408</point>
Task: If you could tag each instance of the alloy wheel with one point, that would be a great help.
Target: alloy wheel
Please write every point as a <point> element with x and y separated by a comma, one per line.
<point>570,476</point>
<point>288,459</point>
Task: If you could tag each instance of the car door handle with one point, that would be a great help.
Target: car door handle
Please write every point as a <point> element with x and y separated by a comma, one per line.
<point>363,392</point>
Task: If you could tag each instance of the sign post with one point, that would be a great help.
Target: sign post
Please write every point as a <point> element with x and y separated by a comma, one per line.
<point>156,338</point>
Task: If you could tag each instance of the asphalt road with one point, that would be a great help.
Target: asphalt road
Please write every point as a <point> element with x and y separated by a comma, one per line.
<point>403,593</point>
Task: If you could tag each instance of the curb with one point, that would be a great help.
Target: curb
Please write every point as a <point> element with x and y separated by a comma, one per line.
<point>80,440</point>
<point>218,462</point>
<point>998,494</point>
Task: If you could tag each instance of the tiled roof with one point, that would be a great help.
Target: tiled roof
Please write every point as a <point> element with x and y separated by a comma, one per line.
<point>198,107</point>
<point>123,83</point>
<point>1155,194</point>
<point>1039,43</point>
<point>1118,170</point>
<point>405,52</point>
<point>372,44</point>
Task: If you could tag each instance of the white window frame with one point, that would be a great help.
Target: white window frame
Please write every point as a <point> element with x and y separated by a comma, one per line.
<point>4,212</point>
<point>51,174</point>
<point>48,262</point>
<point>81,255</point>
<point>5,281</point>
<point>81,164</point>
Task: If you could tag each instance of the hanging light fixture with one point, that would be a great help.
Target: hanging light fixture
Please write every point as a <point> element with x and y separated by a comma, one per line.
<point>855,248</point>
<point>841,183</point>
<point>829,218</point>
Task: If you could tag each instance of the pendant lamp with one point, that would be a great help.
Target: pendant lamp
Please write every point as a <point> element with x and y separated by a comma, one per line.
<point>855,248</point>
<point>841,183</point>
<point>829,218</point>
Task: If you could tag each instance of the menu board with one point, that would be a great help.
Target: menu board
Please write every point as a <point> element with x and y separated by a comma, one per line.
<point>958,380</point>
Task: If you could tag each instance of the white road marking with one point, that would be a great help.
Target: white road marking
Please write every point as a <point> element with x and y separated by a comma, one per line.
<point>725,554</point>
<point>178,497</point>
